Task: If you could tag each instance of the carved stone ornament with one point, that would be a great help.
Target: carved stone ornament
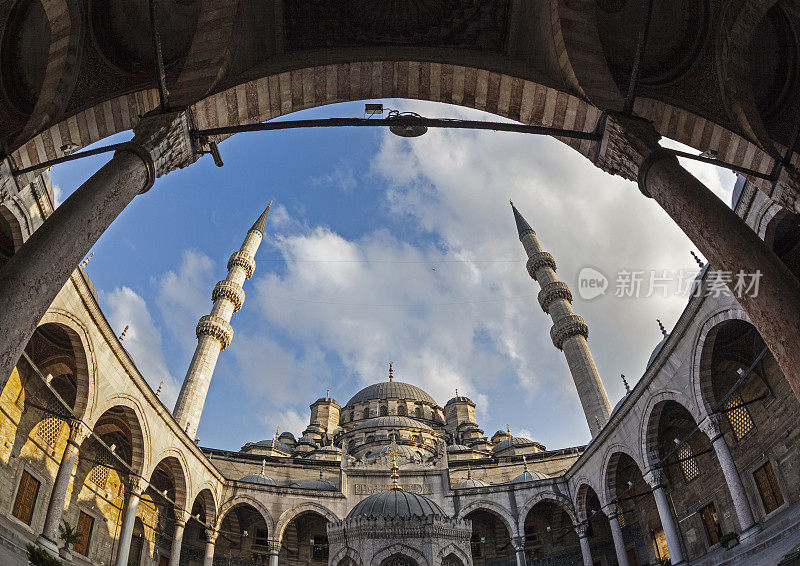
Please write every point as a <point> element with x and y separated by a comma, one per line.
<point>216,327</point>
<point>554,291</point>
<point>538,261</point>
<point>568,326</point>
<point>230,291</point>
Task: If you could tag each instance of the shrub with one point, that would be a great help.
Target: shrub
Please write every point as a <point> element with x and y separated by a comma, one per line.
<point>39,557</point>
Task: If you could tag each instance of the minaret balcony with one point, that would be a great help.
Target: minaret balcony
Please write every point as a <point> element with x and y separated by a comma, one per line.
<point>216,327</point>
<point>554,291</point>
<point>567,327</point>
<point>538,261</point>
<point>231,291</point>
<point>244,261</point>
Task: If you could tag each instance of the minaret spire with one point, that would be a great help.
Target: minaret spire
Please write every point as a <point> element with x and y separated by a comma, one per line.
<point>214,332</point>
<point>569,331</point>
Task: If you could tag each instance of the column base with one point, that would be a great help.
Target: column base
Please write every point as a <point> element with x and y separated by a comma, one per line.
<point>744,535</point>
<point>47,544</point>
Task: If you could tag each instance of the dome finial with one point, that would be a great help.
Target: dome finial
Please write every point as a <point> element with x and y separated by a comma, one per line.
<point>625,382</point>
<point>263,466</point>
<point>456,391</point>
<point>327,394</point>
<point>524,463</point>
<point>697,259</point>
<point>469,472</point>
<point>277,430</point>
<point>508,430</point>
<point>395,476</point>
<point>661,326</point>
<point>391,372</point>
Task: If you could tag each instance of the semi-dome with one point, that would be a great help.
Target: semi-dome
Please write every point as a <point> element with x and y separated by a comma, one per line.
<point>391,390</point>
<point>458,448</point>
<point>400,449</point>
<point>396,503</point>
<point>392,421</point>
<point>260,479</point>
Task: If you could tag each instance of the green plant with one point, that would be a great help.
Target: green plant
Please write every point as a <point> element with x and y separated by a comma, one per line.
<point>729,540</point>
<point>68,534</point>
<point>39,557</point>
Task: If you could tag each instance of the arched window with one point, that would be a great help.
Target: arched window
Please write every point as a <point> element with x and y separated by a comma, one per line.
<point>688,462</point>
<point>401,410</point>
<point>384,410</point>
<point>399,560</point>
<point>366,413</point>
<point>418,412</point>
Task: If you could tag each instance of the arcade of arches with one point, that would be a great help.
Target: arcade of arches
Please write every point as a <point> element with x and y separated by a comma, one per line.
<point>698,463</point>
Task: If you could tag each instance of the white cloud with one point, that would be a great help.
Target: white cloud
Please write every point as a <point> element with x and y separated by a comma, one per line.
<point>183,296</point>
<point>290,420</point>
<point>58,195</point>
<point>142,340</point>
<point>341,178</point>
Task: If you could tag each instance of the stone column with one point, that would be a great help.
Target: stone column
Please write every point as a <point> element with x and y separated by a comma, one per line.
<point>655,480</point>
<point>55,507</point>
<point>619,541</point>
<point>630,148</point>
<point>128,521</point>
<point>519,548</point>
<point>710,426</point>
<point>274,551</point>
<point>30,281</point>
<point>211,540</point>
<point>583,538</point>
<point>177,539</point>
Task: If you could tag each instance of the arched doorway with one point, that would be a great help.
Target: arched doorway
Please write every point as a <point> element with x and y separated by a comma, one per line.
<point>694,480</point>
<point>399,560</point>
<point>598,528</point>
<point>305,540</point>
<point>243,535</point>
<point>195,535</point>
<point>755,413</point>
<point>637,513</point>
<point>783,236</point>
<point>550,536</point>
<point>167,494</point>
<point>490,543</point>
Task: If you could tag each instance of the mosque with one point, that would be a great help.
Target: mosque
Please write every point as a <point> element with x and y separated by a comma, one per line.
<point>697,463</point>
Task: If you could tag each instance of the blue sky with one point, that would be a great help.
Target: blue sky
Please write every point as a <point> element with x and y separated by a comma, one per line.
<point>378,249</point>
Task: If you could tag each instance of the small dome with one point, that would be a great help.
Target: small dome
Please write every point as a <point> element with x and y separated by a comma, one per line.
<point>259,478</point>
<point>330,400</point>
<point>656,351</point>
<point>515,442</point>
<point>469,482</point>
<point>458,448</point>
<point>391,390</point>
<point>321,485</point>
<point>268,445</point>
<point>460,399</point>
<point>401,450</point>
<point>307,440</point>
<point>527,476</point>
<point>287,438</point>
<point>396,504</point>
<point>392,421</point>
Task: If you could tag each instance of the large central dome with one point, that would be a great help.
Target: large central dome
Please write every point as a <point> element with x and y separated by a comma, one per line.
<point>391,390</point>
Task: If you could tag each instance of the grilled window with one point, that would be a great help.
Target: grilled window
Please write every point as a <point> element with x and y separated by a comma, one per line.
<point>401,410</point>
<point>26,498</point>
<point>688,462</point>
<point>99,473</point>
<point>768,487</point>
<point>384,410</point>
<point>738,416</point>
<point>84,530</point>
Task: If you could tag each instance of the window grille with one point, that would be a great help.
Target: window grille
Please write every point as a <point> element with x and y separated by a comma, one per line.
<point>688,462</point>
<point>99,473</point>
<point>49,428</point>
<point>738,416</point>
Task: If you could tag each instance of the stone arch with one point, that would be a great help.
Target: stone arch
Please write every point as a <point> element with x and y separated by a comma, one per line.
<point>494,508</point>
<point>12,221</point>
<point>550,497</point>
<point>398,548</point>
<point>610,466</point>
<point>174,461</point>
<point>574,25</point>
<point>141,456</point>
<point>84,355</point>
<point>205,498</point>
<point>649,423</point>
<point>781,232</point>
<point>701,377</point>
<point>62,68</point>
<point>345,554</point>
<point>452,548</point>
<point>737,27</point>
<point>581,496</point>
<point>287,516</point>
<point>239,500</point>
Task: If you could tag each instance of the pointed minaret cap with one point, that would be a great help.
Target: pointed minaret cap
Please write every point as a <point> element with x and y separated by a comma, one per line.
<point>260,225</point>
<point>522,224</point>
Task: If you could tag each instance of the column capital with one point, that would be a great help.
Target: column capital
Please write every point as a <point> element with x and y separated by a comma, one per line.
<point>274,547</point>
<point>136,486</point>
<point>567,326</point>
<point>518,542</point>
<point>582,530</point>
<point>167,139</point>
<point>211,535</point>
<point>626,141</point>
<point>711,427</point>
<point>655,478</point>
<point>78,432</point>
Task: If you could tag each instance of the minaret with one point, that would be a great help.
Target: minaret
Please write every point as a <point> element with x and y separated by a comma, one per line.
<point>569,331</point>
<point>214,332</point>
